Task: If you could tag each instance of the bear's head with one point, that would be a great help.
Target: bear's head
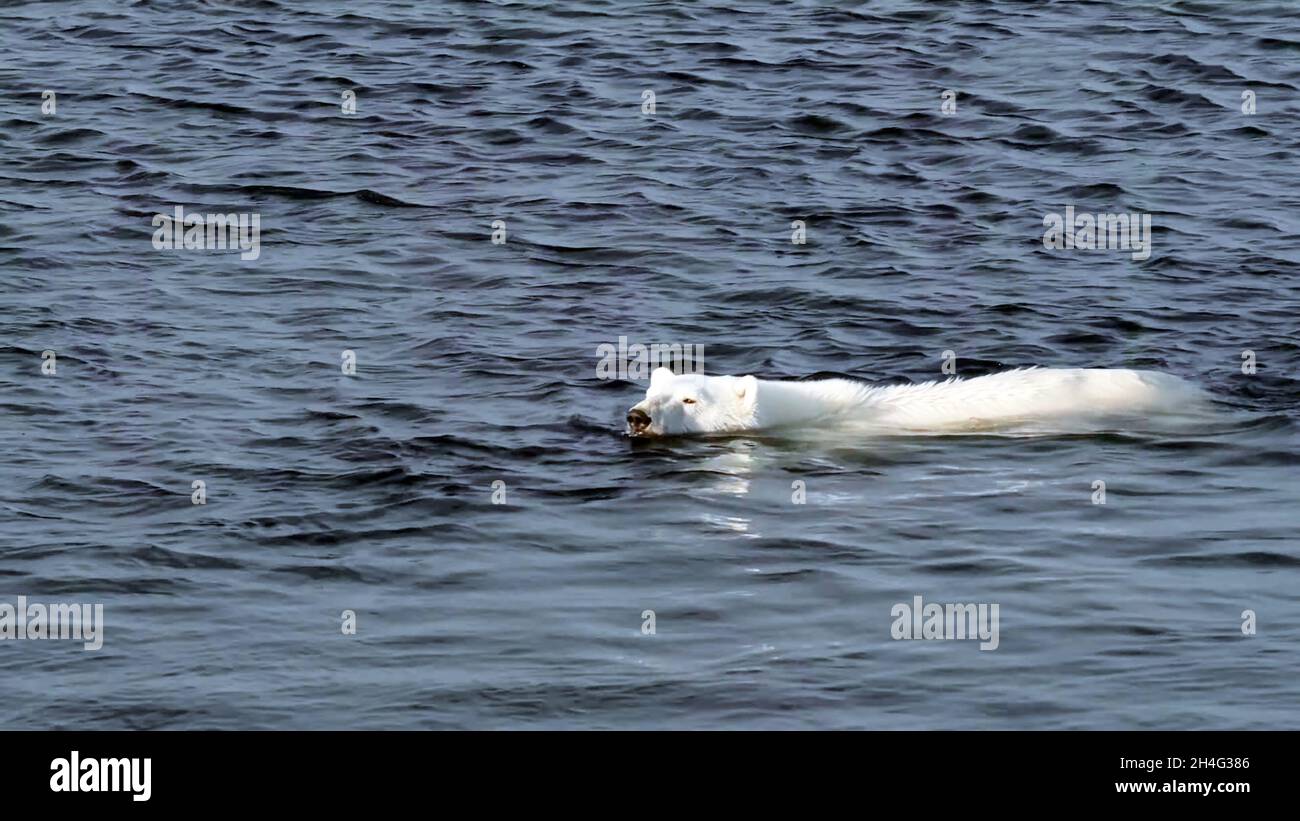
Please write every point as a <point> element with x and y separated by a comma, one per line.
<point>688,403</point>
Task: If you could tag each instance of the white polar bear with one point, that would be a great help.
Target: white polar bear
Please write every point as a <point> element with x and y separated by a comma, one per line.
<point>688,403</point>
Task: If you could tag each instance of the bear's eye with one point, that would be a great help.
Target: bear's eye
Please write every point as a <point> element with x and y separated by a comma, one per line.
<point>686,400</point>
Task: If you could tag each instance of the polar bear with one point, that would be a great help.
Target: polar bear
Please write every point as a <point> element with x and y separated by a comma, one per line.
<point>692,404</point>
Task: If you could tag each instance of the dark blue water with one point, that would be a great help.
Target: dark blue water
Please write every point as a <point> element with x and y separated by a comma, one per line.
<point>476,362</point>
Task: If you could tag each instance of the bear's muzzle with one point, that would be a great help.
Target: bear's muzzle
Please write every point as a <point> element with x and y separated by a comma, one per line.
<point>638,421</point>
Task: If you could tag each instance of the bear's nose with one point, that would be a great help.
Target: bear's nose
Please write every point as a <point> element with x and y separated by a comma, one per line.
<point>638,419</point>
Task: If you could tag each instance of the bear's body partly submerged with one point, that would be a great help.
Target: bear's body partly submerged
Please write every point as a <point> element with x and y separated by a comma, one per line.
<point>685,404</point>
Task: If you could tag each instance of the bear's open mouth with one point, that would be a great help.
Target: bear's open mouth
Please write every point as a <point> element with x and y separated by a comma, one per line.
<point>638,422</point>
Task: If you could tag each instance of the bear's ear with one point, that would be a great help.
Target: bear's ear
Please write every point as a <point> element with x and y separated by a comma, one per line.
<point>746,388</point>
<point>660,378</point>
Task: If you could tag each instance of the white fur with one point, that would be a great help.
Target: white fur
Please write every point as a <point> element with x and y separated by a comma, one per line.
<point>728,404</point>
